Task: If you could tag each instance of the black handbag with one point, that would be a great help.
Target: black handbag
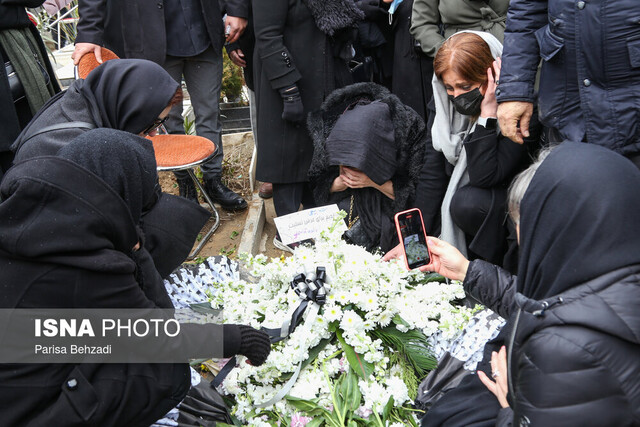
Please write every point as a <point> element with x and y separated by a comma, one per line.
<point>15,85</point>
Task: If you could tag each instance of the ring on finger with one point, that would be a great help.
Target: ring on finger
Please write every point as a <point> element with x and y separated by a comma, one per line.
<point>495,374</point>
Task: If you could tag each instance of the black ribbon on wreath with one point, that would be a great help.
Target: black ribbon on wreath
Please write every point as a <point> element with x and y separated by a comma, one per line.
<point>311,288</point>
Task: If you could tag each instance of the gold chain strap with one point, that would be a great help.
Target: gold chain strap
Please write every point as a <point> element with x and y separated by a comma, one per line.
<point>350,222</point>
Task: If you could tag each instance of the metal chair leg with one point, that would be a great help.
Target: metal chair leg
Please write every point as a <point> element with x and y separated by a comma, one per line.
<point>216,224</point>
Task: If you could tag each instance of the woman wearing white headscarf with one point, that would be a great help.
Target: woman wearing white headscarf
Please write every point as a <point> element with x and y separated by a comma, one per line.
<point>471,163</point>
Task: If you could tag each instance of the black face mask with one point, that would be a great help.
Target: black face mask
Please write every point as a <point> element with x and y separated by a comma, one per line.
<point>468,103</point>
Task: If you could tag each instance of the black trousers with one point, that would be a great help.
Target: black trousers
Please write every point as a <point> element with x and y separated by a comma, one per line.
<point>470,207</point>
<point>288,197</point>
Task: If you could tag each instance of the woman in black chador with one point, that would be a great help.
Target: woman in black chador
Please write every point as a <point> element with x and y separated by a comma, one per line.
<point>133,95</point>
<point>367,159</point>
<point>571,352</point>
<point>124,94</point>
<point>69,239</point>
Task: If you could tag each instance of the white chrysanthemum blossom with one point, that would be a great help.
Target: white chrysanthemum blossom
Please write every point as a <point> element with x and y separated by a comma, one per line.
<point>364,294</point>
<point>332,312</point>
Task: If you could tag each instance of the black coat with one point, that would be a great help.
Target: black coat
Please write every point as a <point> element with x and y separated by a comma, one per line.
<point>412,69</point>
<point>574,346</point>
<point>410,139</point>
<point>590,75</point>
<point>136,29</point>
<point>585,345</point>
<point>66,241</point>
<point>169,241</point>
<point>290,49</point>
<point>13,15</point>
<point>77,261</point>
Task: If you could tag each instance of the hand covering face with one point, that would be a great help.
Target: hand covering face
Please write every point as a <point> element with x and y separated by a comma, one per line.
<point>578,219</point>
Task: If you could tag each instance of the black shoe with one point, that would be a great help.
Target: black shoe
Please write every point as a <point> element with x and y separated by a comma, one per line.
<point>219,193</point>
<point>187,189</point>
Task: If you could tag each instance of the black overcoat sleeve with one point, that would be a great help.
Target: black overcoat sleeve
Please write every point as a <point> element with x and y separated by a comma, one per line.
<point>91,23</point>
<point>269,23</point>
<point>492,158</point>
<point>25,3</point>
<point>237,8</point>
<point>493,286</point>
<point>98,290</point>
<point>557,376</point>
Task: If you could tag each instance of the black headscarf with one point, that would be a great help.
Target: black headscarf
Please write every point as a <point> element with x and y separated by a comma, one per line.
<point>363,138</point>
<point>127,94</point>
<point>578,219</point>
<point>124,161</point>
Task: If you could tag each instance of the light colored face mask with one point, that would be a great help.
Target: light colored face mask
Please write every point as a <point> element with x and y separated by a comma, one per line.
<point>392,9</point>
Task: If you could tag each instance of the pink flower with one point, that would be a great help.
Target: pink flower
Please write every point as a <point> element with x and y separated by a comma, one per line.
<point>364,412</point>
<point>343,365</point>
<point>298,420</point>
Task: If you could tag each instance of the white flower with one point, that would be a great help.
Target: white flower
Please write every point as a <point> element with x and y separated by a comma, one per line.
<point>375,293</point>
<point>368,302</point>
<point>384,318</point>
<point>342,297</point>
<point>351,322</point>
<point>332,312</point>
<point>398,390</point>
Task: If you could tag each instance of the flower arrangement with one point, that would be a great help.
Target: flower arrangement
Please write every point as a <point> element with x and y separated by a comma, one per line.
<point>358,358</point>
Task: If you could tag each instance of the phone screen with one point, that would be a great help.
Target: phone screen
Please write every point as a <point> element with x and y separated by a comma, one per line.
<point>413,239</point>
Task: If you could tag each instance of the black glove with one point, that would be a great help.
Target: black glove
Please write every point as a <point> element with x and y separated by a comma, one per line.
<point>371,8</point>
<point>253,343</point>
<point>293,109</point>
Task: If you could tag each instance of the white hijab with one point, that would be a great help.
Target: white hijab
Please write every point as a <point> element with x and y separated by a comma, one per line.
<point>449,130</point>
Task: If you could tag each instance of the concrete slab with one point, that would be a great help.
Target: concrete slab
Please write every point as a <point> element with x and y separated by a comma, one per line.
<point>254,225</point>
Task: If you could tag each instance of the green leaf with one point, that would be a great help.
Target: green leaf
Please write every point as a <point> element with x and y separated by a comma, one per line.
<point>308,407</point>
<point>205,308</point>
<point>316,422</point>
<point>387,409</point>
<point>350,391</point>
<point>412,345</point>
<point>361,367</point>
<point>339,402</point>
<point>398,320</point>
<point>433,277</point>
<point>333,326</point>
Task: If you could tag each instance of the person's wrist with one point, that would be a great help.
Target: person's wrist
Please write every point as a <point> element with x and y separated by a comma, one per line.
<point>463,270</point>
<point>488,121</point>
<point>489,110</point>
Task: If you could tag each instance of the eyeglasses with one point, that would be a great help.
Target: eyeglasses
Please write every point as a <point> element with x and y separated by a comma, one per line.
<point>155,125</point>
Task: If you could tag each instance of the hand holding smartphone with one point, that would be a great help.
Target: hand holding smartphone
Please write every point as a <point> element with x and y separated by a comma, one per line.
<point>413,238</point>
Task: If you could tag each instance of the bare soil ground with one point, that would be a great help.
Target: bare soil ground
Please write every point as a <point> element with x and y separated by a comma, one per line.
<point>238,149</point>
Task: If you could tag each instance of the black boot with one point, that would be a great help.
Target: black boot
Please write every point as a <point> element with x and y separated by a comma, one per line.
<point>187,189</point>
<point>219,193</point>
